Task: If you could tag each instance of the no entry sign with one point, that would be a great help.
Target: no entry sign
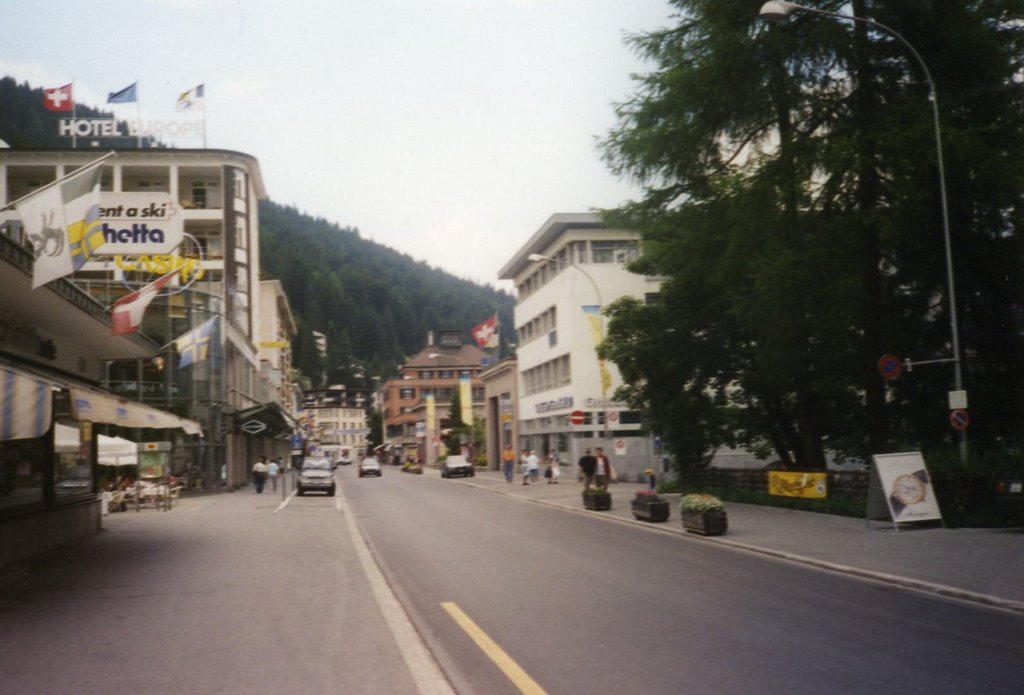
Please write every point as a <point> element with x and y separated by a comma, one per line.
<point>576,417</point>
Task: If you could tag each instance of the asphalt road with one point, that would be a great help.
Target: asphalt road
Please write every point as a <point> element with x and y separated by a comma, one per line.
<point>585,605</point>
<point>238,593</point>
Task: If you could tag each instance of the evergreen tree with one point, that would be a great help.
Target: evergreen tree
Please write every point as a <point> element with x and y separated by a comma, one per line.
<point>790,204</point>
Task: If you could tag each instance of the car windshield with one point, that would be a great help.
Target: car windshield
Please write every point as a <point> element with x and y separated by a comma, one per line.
<point>370,462</point>
<point>316,464</point>
<point>457,461</point>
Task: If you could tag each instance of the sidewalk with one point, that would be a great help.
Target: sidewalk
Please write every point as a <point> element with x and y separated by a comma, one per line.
<point>981,565</point>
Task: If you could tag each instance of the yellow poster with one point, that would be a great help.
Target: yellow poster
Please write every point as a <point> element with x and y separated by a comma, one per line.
<point>466,397</point>
<point>431,415</point>
<point>798,484</point>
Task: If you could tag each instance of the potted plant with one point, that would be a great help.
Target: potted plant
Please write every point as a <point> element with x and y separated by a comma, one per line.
<point>597,498</point>
<point>648,506</point>
<point>704,514</point>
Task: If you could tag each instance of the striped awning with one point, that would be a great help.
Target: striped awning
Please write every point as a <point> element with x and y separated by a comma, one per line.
<point>25,404</point>
<point>97,406</point>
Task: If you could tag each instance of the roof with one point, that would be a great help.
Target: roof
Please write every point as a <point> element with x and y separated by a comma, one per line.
<point>556,225</point>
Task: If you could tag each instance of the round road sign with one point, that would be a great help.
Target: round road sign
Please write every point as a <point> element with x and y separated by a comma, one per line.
<point>959,419</point>
<point>890,366</point>
<point>576,417</point>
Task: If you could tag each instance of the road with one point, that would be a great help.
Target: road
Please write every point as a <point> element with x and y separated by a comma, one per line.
<point>239,593</point>
<point>585,605</point>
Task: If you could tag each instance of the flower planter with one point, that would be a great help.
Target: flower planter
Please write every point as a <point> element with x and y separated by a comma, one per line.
<point>598,500</point>
<point>706,523</point>
<point>650,508</point>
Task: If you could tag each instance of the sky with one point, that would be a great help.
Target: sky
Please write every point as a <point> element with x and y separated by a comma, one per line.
<point>449,130</point>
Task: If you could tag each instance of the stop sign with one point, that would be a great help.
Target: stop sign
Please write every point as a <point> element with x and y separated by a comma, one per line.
<point>576,417</point>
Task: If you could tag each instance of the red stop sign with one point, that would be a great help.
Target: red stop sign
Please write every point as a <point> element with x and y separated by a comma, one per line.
<point>576,417</point>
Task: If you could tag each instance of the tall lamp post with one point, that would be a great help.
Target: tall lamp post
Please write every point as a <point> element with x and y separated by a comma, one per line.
<point>600,317</point>
<point>778,11</point>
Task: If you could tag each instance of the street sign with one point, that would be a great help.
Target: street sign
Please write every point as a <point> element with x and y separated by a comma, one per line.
<point>958,400</point>
<point>890,366</point>
<point>959,419</point>
<point>576,417</point>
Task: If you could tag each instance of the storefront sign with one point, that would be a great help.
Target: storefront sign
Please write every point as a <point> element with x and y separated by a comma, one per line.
<point>556,404</point>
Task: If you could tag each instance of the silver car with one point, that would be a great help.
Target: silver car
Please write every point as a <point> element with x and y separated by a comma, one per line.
<point>369,466</point>
<point>316,475</point>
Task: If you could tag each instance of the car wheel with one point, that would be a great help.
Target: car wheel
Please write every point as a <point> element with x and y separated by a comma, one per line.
<point>300,492</point>
<point>330,493</point>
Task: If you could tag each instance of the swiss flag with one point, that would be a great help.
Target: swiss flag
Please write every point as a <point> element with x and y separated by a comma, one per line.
<point>58,98</point>
<point>486,333</point>
<point>126,315</point>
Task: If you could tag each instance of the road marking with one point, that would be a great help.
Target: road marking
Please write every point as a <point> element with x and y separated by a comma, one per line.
<point>285,503</point>
<point>429,678</point>
<point>510,668</point>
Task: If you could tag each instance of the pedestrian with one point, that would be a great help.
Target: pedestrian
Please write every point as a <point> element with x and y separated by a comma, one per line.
<point>533,467</point>
<point>259,474</point>
<point>652,479</point>
<point>602,469</point>
<point>508,463</point>
<point>587,465</point>
<point>556,472</point>
<point>273,470</point>
<point>524,466</point>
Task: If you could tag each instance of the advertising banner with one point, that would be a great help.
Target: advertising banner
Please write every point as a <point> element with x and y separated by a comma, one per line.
<point>903,483</point>
<point>797,484</point>
<point>139,224</point>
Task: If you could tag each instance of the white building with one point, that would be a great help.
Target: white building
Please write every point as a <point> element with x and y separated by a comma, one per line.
<point>234,391</point>
<point>569,269</point>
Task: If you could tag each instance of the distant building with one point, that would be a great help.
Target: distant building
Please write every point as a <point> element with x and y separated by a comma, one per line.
<point>565,274</point>
<point>337,418</point>
<point>433,374</point>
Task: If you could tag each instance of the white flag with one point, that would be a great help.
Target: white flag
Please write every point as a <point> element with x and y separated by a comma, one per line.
<point>63,223</point>
<point>192,100</point>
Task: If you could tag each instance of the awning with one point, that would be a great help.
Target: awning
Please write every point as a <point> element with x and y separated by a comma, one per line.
<point>25,404</point>
<point>96,406</point>
<point>265,420</point>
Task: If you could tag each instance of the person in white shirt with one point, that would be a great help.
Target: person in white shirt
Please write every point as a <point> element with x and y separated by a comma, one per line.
<point>273,470</point>
<point>532,468</point>
<point>603,469</point>
<point>259,474</point>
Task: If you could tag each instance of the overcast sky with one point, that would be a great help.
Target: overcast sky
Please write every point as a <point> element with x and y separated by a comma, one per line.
<point>449,130</point>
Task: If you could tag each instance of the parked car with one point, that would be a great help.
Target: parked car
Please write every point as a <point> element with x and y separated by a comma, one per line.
<point>369,466</point>
<point>457,465</point>
<point>316,475</point>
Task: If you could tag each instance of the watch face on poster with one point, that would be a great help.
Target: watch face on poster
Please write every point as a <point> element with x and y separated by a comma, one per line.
<point>908,489</point>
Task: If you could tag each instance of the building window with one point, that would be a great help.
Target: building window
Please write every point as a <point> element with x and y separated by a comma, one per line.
<point>426,374</point>
<point>407,393</point>
<point>613,251</point>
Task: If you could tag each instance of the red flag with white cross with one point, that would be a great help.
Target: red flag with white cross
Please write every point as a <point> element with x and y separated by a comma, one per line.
<point>58,98</point>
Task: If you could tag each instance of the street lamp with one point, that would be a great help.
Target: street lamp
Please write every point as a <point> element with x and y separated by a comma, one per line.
<point>779,10</point>
<point>600,317</point>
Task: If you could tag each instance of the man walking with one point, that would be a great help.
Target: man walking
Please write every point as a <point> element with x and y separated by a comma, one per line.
<point>587,465</point>
<point>259,474</point>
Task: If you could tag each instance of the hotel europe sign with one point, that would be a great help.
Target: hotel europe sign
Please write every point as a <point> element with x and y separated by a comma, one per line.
<point>110,128</point>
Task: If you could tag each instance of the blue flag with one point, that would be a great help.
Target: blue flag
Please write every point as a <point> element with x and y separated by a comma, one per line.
<point>125,96</point>
<point>195,345</point>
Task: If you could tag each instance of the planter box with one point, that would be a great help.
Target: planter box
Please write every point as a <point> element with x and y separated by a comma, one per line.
<point>706,523</point>
<point>598,501</point>
<point>651,510</point>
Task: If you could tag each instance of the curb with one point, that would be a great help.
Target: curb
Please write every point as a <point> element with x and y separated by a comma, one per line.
<point>907,583</point>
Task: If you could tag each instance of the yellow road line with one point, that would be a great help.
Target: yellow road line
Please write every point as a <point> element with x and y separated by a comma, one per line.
<point>510,668</point>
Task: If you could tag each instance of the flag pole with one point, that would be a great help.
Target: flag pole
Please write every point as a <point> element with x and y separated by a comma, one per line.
<point>74,117</point>
<point>138,113</point>
<point>62,179</point>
